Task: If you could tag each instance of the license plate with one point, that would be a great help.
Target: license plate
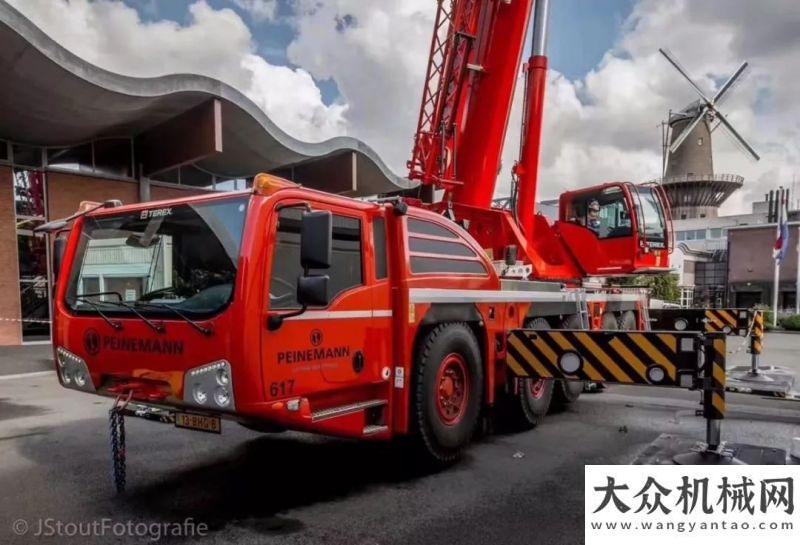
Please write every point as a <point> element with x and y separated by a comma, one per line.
<point>210,424</point>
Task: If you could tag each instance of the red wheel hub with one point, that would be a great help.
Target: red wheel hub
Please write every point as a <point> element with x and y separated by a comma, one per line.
<point>536,387</point>
<point>452,389</point>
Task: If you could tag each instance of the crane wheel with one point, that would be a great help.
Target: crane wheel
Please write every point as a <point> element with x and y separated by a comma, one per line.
<point>627,322</point>
<point>568,391</point>
<point>448,388</point>
<point>528,406</point>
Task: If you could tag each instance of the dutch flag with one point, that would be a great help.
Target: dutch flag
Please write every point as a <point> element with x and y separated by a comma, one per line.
<point>782,243</point>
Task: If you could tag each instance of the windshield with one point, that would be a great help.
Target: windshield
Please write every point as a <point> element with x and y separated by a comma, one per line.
<point>184,257</point>
<point>652,215</point>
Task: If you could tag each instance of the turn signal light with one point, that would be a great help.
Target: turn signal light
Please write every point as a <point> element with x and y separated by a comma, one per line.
<point>267,184</point>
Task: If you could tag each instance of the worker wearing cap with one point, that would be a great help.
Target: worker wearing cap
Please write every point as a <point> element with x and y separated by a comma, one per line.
<point>593,216</point>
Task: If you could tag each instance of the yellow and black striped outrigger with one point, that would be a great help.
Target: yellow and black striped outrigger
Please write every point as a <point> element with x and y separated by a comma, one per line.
<point>658,358</point>
<point>688,359</point>
<point>731,321</point>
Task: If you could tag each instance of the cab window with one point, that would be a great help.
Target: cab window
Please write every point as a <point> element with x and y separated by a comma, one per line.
<point>436,250</point>
<point>346,260</point>
<point>605,213</point>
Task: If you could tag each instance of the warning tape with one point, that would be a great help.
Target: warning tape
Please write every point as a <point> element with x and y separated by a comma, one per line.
<point>26,320</point>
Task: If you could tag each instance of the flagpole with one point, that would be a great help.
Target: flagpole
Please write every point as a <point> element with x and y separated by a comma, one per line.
<point>797,281</point>
<point>776,281</point>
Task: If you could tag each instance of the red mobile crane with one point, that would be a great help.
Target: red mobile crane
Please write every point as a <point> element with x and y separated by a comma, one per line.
<point>288,308</point>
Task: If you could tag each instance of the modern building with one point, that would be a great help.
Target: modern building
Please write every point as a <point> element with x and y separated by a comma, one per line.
<point>70,131</point>
<point>751,268</point>
<point>711,256</point>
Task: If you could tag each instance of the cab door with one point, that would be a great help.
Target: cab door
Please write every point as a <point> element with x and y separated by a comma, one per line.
<point>324,348</point>
<point>598,228</point>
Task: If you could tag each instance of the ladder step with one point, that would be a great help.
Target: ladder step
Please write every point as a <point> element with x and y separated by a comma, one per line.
<point>333,412</point>
<point>372,429</point>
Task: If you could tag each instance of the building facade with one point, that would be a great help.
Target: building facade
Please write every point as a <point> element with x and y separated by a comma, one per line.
<point>72,132</point>
<point>751,268</point>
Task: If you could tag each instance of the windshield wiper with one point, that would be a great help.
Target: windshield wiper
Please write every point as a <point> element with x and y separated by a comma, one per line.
<point>207,331</point>
<point>116,325</point>
<point>158,328</point>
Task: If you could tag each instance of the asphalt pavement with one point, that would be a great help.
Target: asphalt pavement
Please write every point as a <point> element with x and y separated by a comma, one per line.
<point>296,488</point>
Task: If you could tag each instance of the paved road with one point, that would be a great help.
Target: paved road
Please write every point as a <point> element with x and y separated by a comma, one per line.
<point>294,488</point>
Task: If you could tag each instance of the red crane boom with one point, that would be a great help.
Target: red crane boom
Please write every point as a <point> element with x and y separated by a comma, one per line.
<point>469,88</point>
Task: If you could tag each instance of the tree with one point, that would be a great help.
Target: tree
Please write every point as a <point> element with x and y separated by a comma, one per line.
<point>661,286</point>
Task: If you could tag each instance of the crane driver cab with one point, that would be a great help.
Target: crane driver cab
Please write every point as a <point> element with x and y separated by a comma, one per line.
<point>617,228</point>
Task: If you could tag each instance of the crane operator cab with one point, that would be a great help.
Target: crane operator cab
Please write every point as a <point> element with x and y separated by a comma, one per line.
<point>617,229</point>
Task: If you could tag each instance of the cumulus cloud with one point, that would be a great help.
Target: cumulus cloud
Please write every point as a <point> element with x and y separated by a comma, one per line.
<point>598,128</point>
<point>215,43</point>
<point>259,10</point>
<point>601,127</point>
<point>376,52</point>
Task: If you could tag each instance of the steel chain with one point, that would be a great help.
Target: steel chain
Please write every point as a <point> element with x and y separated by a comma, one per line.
<point>116,421</point>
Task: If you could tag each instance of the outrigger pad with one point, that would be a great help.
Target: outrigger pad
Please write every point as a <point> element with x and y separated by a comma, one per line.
<point>666,447</point>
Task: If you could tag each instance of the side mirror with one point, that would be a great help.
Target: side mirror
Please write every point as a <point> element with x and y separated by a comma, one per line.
<point>316,240</point>
<point>312,291</point>
<point>59,248</point>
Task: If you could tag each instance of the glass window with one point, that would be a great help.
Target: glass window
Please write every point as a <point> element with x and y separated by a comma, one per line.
<point>605,213</point>
<point>28,156</point>
<point>345,271</point>
<point>428,265</point>
<point>652,216</point>
<point>690,235</point>
<point>234,184</point>
<point>30,205</point>
<point>112,157</point>
<point>185,256</point>
<point>421,227</point>
<point>700,234</point>
<point>191,175</point>
<point>715,233</point>
<point>35,307</point>
<point>680,235</point>
<point>379,241</point>
<point>29,193</point>
<point>78,158</point>
<point>429,246</point>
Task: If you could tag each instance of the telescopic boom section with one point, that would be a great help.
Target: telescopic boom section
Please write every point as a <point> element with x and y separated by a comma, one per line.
<point>527,169</point>
<point>472,72</point>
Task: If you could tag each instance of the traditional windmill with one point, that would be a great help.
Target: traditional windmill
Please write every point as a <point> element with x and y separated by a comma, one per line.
<point>694,190</point>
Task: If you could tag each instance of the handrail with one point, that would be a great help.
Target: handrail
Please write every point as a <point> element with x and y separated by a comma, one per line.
<point>698,178</point>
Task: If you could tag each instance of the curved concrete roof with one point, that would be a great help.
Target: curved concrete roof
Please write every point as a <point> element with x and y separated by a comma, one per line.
<point>51,97</point>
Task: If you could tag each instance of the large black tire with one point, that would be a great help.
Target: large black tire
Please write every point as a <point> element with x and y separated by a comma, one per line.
<point>527,408</point>
<point>448,389</point>
<point>627,322</point>
<point>568,391</point>
<point>610,322</point>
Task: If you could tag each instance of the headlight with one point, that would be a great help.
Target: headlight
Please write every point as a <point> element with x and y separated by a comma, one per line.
<point>73,370</point>
<point>222,397</point>
<point>199,394</point>
<point>210,386</point>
